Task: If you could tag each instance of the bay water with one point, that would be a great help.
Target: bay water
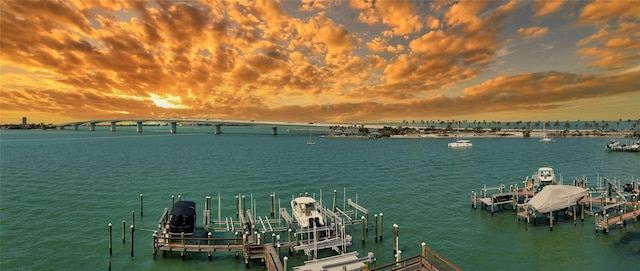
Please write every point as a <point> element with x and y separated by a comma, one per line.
<point>60,189</point>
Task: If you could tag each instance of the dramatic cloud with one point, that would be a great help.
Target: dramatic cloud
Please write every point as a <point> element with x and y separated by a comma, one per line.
<point>331,61</point>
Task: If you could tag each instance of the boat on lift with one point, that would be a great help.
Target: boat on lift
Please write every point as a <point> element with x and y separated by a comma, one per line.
<point>306,213</point>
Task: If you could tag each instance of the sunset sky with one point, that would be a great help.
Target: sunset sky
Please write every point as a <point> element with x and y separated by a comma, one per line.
<point>317,60</point>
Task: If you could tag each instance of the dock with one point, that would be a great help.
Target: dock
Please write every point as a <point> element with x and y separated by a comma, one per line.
<point>610,202</point>
<point>257,237</point>
<point>264,239</point>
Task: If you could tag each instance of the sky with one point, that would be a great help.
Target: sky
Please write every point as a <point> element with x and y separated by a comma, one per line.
<point>319,60</point>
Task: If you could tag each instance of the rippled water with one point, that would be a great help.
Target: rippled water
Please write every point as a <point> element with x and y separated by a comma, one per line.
<point>60,189</point>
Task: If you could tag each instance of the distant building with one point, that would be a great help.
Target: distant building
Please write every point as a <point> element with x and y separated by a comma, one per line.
<point>24,121</point>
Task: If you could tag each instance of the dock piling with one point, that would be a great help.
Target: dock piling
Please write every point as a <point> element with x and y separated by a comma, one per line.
<point>381,224</point>
<point>132,230</point>
<point>141,205</point>
<point>110,240</point>
<point>363,231</point>
<point>124,232</point>
<point>375,227</point>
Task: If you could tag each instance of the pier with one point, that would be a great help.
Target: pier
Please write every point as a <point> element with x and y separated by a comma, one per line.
<point>266,239</point>
<point>610,202</point>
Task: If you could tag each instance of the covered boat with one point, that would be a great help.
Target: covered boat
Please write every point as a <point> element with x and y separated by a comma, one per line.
<point>182,218</point>
<point>556,197</point>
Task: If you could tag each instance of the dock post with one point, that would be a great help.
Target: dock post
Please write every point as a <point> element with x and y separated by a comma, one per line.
<point>395,239</point>
<point>179,197</point>
<point>424,249</point>
<point>237,206</point>
<point>582,213</point>
<point>173,200</point>
<point>335,194</point>
<point>244,203</point>
<point>574,214</point>
<point>110,240</point>
<point>209,242</point>
<point>133,218</point>
<point>124,232</point>
<point>141,205</point>
<point>363,221</point>
<point>635,215</point>
<point>381,225</point>
<point>286,259</point>
<point>515,198</point>
<point>606,223</point>
<point>398,257</point>
<point>273,205</point>
<point>551,221</point>
<point>375,227</point>
<point>132,230</point>
<point>473,200</point>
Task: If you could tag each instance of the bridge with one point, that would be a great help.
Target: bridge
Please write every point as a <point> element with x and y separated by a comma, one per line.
<point>216,123</point>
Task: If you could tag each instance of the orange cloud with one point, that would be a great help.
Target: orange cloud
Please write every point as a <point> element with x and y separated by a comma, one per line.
<point>401,16</point>
<point>289,61</point>
<point>545,7</point>
<point>532,32</point>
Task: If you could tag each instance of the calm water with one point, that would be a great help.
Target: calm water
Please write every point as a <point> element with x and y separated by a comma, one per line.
<point>60,189</point>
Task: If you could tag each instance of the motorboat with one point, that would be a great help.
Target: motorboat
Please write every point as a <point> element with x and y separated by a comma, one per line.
<point>306,213</point>
<point>460,143</point>
<point>613,145</point>
<point>546,139</point>
<point>544,176</point>
<point>182,219</point>
<point>556,197</point>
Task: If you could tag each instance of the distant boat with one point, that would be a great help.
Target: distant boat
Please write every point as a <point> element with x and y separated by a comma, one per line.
<point>310,142</point>
<point>460,143</point>
<point>545,138</point>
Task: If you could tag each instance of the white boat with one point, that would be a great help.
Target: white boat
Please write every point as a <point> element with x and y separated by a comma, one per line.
<point>305,212</point>
<point>556,197</point>
<point>310,142</point>
<point>460,143</point>
<point>545,138</point>
<point>544,176</point>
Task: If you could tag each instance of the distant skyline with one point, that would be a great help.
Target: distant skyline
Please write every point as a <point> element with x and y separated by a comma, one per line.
<point>321,61</point>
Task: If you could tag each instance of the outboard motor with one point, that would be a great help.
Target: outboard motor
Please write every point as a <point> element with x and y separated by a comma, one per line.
<point>318,222</point>
<point>311,222</point>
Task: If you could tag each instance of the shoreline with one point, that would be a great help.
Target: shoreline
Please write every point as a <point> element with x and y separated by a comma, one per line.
<point>503,134</point>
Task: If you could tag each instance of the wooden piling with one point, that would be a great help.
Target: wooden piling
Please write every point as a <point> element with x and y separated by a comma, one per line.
<point>110,240</point>
<point>381,227</point>
<point>395,239</point>
<point>133,218</point>
<point>375,227</point>
<point>551,221</point>
<point>363,223</point>
<point>124,232</point>
<point>141,205</point>
<point>273,205</point>
<point>237,206</point>
<point>335,195</point>
<point>132,230</point>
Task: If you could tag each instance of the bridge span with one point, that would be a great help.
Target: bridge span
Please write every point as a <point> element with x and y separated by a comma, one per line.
<point>216,123</point>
